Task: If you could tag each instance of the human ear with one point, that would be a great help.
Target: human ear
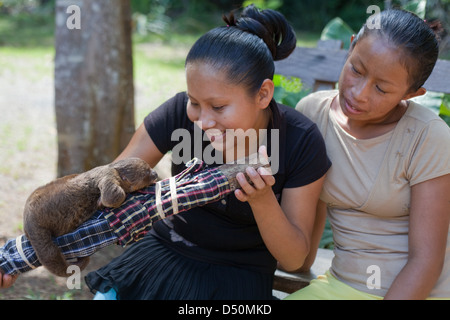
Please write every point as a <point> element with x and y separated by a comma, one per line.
<point>265,94</point>
<point>420,92</point>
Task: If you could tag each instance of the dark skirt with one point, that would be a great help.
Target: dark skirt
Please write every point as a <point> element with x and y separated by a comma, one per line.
<point>148,270</point>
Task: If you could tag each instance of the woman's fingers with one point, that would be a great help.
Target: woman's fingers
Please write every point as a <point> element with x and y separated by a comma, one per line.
<point>6,280</point>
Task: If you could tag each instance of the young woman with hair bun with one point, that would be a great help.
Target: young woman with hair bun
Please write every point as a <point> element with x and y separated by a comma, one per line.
<point>228,249</point>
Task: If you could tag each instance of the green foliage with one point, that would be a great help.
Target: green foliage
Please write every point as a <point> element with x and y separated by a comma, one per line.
<point>16,6</point>
<point>264,4</point>
<point>164,17</point>
<point>313,15</point>
<point>289,90</point>
<point>26,30</point>
<point>438,102</point>
<point>417,6</point>
<point>151,16</point>
<point>143,6</point>
<point>337,29</point>
<point>444,110</point>
<point>326,242</point>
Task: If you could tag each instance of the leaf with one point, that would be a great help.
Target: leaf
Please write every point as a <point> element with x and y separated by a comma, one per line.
<point>439,103</point>
<point>264,4</point>
<point>419,7</point>
<point>337,29</point>
<point>444,110</point>
<point>326,241</point>
<point>277,79</point>
<point>288,90</point>
<point>445,106</point>
<point>291,99</point>
<point>431,100</point>
<point>278,94</point>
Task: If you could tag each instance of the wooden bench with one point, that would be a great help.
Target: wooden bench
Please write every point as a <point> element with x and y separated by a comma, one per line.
<point>319,69</point>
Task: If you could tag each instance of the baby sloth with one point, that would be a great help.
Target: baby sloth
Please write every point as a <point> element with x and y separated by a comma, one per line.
<point>65,203</point>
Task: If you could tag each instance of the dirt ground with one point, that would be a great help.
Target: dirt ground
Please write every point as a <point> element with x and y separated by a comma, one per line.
<point>28,158</point>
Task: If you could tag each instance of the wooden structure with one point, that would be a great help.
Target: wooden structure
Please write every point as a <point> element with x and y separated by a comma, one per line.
<point>320,67</point>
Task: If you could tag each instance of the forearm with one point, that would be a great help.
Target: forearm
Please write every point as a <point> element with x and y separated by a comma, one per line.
<point>319,226</point>
<point>415,281</point>
<point>427,240</point>
<point>285,241</point>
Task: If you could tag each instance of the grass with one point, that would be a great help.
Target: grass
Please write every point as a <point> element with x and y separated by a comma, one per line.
<point>11,58</point>
<point>158,74</point>
<point>26,30</point>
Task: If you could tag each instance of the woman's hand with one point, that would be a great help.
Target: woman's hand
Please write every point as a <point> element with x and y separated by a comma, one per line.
<point>6,280</point>
<point>262,179</point>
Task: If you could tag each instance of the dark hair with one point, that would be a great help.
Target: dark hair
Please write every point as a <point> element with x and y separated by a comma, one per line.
<point>410,33</point>
<point>246,48</point>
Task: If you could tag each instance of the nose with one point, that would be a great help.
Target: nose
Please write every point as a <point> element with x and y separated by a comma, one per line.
<point>206,120</point>
<point>360,91</point>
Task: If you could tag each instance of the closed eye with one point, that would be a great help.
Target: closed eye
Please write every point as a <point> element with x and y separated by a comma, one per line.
<point>355,71</point>
<point>218,108</point>
<point>380,90</point>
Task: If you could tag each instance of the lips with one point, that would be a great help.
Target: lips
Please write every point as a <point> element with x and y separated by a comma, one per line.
<point>215,135</point>
<point>350,108</point>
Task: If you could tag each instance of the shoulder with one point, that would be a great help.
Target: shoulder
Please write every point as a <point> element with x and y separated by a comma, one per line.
<point>172,109</point>
<point>297,127</point>
<point>178,102</point>
<point>164,120</point>
<point>316,103</point>
<point>420,113</point>
<point>424,134</point>
<point>316,98</point>
<point>302,149</point>
<point>423,120</point>
<point>294,119</point>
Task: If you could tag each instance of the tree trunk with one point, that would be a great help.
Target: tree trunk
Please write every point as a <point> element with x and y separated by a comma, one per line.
<point>94,92</point>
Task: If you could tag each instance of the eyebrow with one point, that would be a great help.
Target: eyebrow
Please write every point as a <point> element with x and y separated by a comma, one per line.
<point>209,99</point>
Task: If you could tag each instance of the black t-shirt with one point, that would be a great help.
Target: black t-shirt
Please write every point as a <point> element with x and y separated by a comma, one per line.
<point>225,232</point>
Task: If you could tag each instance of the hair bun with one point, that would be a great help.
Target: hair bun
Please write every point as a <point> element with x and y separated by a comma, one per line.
<point>437,28</point>
<point>269,25</point>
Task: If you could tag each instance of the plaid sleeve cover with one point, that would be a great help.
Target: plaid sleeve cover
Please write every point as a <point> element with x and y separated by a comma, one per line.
<point>195,186</point>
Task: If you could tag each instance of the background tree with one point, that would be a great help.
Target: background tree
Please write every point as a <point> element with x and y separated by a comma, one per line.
<point>94,92</point>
